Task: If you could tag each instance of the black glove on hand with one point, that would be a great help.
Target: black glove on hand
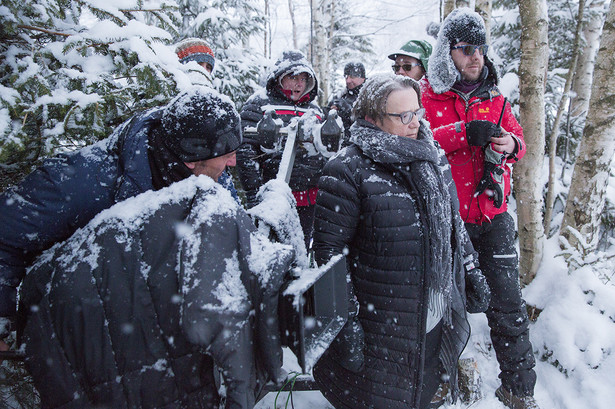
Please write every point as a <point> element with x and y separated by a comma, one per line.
<point>477,291</point>
<point>493,183</point>
<point>479,133</point>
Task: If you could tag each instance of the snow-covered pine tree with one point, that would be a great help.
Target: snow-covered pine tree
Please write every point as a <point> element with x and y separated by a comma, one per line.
<point>228,25</point>
<point>70,72</point>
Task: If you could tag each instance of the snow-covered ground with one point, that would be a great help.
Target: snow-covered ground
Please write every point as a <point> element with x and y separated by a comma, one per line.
<point>575,330</point>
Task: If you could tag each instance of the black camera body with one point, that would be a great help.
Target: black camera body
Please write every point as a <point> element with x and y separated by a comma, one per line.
<point>312,310</point>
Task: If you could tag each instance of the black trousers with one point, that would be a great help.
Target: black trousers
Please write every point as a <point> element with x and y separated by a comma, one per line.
<point>507,313</point>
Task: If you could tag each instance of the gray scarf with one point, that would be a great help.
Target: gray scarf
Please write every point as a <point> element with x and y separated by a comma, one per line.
<point>416,163</point>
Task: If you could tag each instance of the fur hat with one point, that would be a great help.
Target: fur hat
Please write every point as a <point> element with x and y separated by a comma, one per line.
<point>195,49</point>
<point>464,27</point>
<point>462,24</point>
<point>201,124</point>
<point>354,69</point>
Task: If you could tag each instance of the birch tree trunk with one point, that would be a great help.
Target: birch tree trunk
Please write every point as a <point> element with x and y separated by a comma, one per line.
<point>581,87</point>
<point>558,117</point>
<point>528,189</point>
<point>483,7</point>
<point>586,197</point>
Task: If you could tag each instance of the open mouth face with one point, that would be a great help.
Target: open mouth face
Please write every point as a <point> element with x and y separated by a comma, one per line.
<point>296,84</point>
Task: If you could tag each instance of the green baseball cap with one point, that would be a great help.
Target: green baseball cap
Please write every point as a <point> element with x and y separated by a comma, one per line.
<point>419,49</point>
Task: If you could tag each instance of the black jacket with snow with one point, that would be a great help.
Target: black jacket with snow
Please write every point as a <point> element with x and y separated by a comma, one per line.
<point>344,103</point>
<point>376,217</point>
<point>66,192</point>
<point>134,310</point>
<point>256,165</point>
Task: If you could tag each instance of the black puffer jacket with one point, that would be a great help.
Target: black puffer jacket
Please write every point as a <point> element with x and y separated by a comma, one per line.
<point>134,310</point>
<point>376,217</point>
<point>255,165</point>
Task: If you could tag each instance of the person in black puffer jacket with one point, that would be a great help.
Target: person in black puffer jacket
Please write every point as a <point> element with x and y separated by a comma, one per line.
<point>152,301</point>
<point>388,202</point>
<point>290,91</point>
<point>150,151</point>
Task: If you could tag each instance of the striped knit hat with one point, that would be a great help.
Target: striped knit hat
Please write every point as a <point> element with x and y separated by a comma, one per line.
<point>195,49</point>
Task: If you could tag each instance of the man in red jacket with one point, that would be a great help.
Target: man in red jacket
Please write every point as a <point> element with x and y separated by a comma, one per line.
<point>464,107</point>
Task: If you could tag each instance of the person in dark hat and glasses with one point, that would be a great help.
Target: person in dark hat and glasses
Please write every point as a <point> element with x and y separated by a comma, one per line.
<point>474,125</point>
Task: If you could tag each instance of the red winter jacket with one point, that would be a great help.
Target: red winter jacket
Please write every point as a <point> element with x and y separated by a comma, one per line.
<point>447,113</point>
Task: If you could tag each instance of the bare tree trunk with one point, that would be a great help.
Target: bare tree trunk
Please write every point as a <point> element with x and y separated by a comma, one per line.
<point>291,10</point>
<point>267,34</point>
<point>581,87</point>
<point>591,171</point>
<point>558,118</point>
<point>483,7</point>
<point>320,45</point>
<point>528,190</point>
<point>447,7</point>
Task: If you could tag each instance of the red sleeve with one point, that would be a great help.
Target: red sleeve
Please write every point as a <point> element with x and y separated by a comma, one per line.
<point>451,137</point>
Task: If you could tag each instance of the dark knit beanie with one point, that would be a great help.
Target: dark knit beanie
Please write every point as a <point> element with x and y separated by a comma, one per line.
<point>354,69</point>
<point>195,49</point>
<point>201,124</point>
<point>463,26</point>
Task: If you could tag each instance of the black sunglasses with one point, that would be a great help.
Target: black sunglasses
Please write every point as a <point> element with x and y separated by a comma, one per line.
<point>470,49</point>
<point>406,67</point>
<point>407,116</point>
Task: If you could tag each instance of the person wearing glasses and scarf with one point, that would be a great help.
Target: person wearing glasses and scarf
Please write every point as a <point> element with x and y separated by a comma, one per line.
<point>388,203</point>
<point>475,126</point>
<point>411,60</point>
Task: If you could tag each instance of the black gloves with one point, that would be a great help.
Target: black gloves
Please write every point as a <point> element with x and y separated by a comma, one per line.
<point>479,133</point>
<point>478,294</point>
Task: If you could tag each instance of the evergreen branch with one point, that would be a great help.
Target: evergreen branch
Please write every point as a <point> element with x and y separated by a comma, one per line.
<point>44,30</point>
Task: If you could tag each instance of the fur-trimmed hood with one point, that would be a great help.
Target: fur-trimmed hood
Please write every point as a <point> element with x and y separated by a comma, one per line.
<point>292,62</point>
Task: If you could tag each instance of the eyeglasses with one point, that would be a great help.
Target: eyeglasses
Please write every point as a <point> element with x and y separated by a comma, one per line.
<point>406,117</point>
<point>470,49</point>
<point>406,67</point>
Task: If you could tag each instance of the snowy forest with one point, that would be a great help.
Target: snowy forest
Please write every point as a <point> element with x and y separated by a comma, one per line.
<point>72,71</point>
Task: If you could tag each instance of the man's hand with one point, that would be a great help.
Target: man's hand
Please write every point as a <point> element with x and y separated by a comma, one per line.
<point>504,143</point>
<point>4,346</point>
<point>480,133</point>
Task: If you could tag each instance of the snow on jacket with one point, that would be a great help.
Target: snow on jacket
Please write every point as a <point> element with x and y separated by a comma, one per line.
<point>370,213</point>
<point>256,166</point>
<point>135,309</point>
<point>66,192</point>
<point>447,112</point>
